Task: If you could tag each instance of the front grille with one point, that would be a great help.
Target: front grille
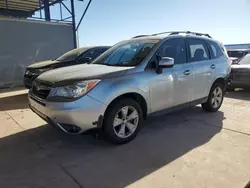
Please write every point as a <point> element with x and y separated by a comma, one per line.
<point>41,89</point>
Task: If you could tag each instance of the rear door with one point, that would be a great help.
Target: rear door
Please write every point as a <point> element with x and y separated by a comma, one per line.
<point>199,57</point>
<point>218,61</point>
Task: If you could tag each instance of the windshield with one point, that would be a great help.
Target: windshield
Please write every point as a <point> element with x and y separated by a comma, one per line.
<point>71,55</point>
<point>238,54</point>
<point>129,53</point>
<point>245,60</point>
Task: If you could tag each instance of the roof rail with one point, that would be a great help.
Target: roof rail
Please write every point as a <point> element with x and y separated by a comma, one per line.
<point>138,36</point>
<point>176,33</point>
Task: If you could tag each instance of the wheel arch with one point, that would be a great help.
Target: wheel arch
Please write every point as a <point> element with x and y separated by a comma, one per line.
<point>132,95</point>
<point>222,81</point>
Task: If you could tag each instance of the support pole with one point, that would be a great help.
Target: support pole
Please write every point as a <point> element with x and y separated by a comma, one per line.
<point>6,4</point>
<point>40,9</point>
<point>46,10</point>
<point>83,15</point>
<point>73,23</point>
<point>61,10</point>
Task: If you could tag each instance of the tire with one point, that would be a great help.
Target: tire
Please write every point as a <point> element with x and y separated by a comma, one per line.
<point>210,104</point>
<point>120,131</point>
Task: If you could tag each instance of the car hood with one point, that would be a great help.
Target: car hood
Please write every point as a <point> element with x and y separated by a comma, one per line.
<point>43,64</point>
<point>67,75</point>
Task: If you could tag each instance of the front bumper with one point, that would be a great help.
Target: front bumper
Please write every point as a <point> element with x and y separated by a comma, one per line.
<point>81,115</point>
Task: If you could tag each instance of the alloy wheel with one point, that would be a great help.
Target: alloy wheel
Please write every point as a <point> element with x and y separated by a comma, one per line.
<point>217,97</point>
<point>126,121</point>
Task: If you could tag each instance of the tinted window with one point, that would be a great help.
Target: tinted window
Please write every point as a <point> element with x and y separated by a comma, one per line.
<point>174,48</point>
<point>197,50</point>
<point>214,49</point>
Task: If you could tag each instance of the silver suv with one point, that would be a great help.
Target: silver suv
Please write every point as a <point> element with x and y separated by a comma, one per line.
<point>133,79</point>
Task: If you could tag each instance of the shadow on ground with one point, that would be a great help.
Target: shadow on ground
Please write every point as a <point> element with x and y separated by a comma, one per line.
<point>45,157</point>
<point>14,102</point>
<point>240,94</point>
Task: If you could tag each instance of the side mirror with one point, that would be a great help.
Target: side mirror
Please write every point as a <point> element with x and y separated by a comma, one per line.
<point>166,62</point>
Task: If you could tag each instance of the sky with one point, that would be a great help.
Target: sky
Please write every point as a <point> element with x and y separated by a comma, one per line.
<point>110,21</point>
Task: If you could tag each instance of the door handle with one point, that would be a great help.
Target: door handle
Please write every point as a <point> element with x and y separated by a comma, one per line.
<point>187,72</point>
<point>212,66</point>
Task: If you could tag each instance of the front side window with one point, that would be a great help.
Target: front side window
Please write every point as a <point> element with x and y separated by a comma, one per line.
<point>197,50</point>
<point>174,48</point>
<point>128,53</point>
<point>214,49</point>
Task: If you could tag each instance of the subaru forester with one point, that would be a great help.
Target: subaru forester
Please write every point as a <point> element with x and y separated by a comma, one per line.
<point>132,80</point>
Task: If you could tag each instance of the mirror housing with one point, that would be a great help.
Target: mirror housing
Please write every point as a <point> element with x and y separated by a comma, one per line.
<point>166,62</point>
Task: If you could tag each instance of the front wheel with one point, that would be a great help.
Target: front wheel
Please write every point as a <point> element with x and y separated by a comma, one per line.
<point>122,121</point>
<point>215,98</point>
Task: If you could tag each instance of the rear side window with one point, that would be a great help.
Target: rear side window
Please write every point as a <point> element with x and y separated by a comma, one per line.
<point>214,49</point>
<point>197,50</point>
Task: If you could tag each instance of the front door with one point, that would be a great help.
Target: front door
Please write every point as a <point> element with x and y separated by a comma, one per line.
<point>172,86</point>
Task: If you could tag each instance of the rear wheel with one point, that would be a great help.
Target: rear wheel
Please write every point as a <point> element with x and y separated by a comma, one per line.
<point>215,98</point>
<point>122,121</point>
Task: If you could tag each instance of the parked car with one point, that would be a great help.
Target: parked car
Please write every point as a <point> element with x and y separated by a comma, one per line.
<point>236,54</point>
<point>73,57</point>
<point>233,60</point>
<point>240,73</point>
<point>132,80</point>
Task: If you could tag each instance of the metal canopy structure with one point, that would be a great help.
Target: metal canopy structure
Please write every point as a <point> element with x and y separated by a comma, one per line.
<point>23,8</point>
<point>28,8</point>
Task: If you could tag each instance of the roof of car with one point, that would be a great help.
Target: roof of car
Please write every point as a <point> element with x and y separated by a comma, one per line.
<point>160,36</point>
<point>168,36</point>
<point>238,50</point>
<point>89,47</point>
<point>173,36</point>
<point>83,49</point>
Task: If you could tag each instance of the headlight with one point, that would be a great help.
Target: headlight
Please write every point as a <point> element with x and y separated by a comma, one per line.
<point>74,90</point>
